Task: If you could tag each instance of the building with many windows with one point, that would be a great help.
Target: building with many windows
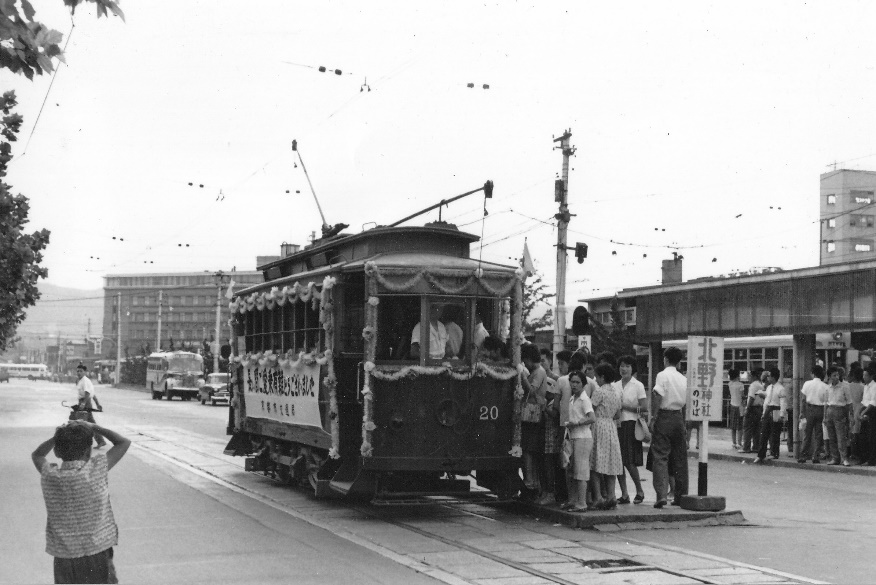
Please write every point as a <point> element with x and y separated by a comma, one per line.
<point>187,306</point>
<point>848,212</point>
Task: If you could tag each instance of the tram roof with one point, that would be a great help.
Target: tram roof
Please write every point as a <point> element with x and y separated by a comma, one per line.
<point>438,262</point>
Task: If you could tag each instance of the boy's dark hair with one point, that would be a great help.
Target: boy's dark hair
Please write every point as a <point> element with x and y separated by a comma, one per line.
<point>673,355</point>
<point>547,353</point>
<point>608,373</point>
<point>82,367</point>
<point>818,371</point>
<point>756,373</point>
<point>775,373</point>
<point>578,374</point>
<point>564,356</point>
<point>733,374</point>
<point>530,352</point>
<point>833,369</point>
<point>871,369</point>
<point>72,441</point>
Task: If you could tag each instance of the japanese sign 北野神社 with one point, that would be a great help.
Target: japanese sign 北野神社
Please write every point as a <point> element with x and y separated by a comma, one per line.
<point>705,377</point>
<point>284,395</point>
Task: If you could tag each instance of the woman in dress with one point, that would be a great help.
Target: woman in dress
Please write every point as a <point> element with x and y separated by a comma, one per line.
<point>634,402</point>
<point>605,459</point>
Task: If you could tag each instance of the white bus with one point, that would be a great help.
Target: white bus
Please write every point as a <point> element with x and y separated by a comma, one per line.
<point>29,371</point>
<point>174,373</point>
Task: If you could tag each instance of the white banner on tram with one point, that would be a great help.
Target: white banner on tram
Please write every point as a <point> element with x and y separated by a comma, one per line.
<point>284,395</point>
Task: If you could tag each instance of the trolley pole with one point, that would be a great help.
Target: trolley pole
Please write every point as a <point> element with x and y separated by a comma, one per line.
<point>561,190</point>
<point>119,339</point>
<point>158,337</point>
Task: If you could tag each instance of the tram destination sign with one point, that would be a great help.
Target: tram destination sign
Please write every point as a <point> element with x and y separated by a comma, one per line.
<point>705,378</point>
<point>288,395</point>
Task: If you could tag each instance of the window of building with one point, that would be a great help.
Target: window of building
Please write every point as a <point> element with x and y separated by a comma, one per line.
<point>831,223</point>
<point>861,220</point>
<point>863,247</point>
<point>861,197</point>
<point>136,301</point>
<point>831,246</point>
<point>831,199</point>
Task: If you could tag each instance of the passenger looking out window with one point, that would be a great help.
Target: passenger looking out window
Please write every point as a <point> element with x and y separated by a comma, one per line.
<point>438,337</point>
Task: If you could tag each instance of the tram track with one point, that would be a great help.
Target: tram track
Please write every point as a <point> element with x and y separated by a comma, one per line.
<point>602,557</point>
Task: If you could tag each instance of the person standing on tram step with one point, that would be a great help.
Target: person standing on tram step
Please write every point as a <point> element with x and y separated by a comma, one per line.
<point>814,393</point>
<point>86,400</point>
<point>668,435</point>
<point>438,338</point>
<point>532,434</point>
<point>775,405</point>
<point>837,415</point>
<point>736,413</point>
<point>563,394</point>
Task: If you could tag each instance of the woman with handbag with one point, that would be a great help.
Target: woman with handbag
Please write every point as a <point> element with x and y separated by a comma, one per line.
<point>532,417</point>
<point>634,401</point>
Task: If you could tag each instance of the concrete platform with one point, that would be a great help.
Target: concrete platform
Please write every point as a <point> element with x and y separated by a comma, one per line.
<point>632,517</point>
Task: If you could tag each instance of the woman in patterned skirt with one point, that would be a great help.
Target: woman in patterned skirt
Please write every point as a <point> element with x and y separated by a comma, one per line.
<point>605,459</point>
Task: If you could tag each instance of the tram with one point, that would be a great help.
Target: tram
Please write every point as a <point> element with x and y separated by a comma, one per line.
<point>356,368</point>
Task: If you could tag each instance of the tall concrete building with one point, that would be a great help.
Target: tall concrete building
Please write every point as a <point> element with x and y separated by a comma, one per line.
<point>188,308</point>
<point>848,211</point>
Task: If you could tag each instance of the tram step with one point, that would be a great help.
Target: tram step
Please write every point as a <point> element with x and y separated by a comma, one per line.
<point>341,486</point>
<point>436,499</point>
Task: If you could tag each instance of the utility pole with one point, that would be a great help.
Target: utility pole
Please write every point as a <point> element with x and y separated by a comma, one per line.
<point>561,191</point>
<point>215,349</point>
<point>158,338</point>
<point>119,340</point>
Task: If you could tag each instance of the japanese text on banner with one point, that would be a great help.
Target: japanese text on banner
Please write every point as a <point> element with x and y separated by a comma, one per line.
<point>705,378</point>
<point>284,395</point>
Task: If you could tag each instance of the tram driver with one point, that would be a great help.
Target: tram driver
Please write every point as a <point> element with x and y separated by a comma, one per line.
<point>439,339</point>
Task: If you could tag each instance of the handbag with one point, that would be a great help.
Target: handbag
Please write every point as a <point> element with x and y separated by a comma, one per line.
<point>643,433</point>
<point>531,412</point>
<point>566,452</point>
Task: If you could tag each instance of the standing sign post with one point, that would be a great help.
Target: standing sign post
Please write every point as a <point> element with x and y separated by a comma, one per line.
<point>705,394</point>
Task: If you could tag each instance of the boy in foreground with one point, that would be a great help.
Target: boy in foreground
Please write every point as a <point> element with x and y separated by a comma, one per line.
<point>80,527</point>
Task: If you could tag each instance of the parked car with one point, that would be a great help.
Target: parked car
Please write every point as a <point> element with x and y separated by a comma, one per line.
<point>215,389</point>
<point>4,375</point>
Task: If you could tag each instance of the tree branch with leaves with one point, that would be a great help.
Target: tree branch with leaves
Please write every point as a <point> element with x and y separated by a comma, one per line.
<point>535,294</point>
<point>28,46</point>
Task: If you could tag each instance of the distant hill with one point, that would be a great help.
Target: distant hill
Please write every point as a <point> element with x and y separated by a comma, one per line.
<point>64,310</point>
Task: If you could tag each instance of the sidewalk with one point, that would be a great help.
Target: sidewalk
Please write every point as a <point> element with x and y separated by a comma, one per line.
<point>721,449</point>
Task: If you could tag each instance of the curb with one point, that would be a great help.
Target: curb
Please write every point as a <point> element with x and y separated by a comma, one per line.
<point>789,464</point>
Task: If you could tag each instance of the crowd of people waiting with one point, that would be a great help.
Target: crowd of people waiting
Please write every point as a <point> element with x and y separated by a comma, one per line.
<point>837,420</point>
<point>590,411</point>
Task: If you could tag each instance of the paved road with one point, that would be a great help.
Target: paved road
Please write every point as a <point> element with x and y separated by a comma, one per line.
<point>189,514</point>
<point>170,530</point>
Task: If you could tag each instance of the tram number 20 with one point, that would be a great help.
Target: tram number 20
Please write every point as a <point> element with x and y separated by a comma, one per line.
<point>489,413</point>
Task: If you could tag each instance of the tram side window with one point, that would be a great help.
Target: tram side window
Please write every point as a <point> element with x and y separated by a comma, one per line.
<point>448,336</point>
<point>397,315</point>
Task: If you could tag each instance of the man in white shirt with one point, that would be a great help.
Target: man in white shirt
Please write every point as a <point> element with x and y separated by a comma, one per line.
<point>87,400</point>
<point>438,336</point>
<point>753,414</point>
<point>668,435</point>
<point>775,406</point>
<point>814,393</point>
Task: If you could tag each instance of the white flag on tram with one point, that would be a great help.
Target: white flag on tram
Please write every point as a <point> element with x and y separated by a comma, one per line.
<point>230,291</point>
<point>526,261</point>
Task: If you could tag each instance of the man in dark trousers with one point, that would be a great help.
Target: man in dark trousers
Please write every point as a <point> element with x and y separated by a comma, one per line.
<point>668,435</point>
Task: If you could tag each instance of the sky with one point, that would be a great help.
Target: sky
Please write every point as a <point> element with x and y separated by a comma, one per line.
<point>699,128</point>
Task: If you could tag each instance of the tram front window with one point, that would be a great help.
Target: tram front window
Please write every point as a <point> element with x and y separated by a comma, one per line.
<point>396,317</point>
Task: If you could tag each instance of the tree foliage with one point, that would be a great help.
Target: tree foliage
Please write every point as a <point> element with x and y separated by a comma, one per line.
<point>28,46</point>
<point>535,294</point>
<point>20,253</point>
<point>617,339</point>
